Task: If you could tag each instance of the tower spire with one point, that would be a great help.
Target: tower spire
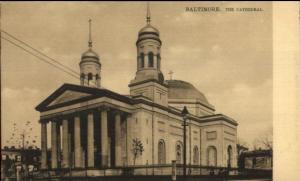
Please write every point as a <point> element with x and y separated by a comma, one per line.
<point>90,34</point>
<point>148,18</point>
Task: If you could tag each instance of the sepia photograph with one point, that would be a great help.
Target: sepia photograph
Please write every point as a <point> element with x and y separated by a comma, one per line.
<point>137,91</point>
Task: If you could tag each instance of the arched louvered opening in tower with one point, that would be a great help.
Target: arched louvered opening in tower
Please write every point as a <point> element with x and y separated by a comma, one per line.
<point>150,59</point>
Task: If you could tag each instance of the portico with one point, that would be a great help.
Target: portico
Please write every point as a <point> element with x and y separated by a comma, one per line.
<point>85,134</point>
<point>79,146</point>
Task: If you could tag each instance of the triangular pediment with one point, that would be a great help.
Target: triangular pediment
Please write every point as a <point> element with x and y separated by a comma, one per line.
<point>68,96</point>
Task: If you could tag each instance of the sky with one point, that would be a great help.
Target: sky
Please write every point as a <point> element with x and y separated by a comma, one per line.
<point>225,55</point>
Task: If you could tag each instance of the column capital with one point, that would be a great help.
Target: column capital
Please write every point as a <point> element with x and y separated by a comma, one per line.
<point>71,115</point>
<point>119,112</point>
<point>66,116</point>
<point>76,114</point>
<point>127,115</point>
<point>43,121</point>
<point>104,108</point>
<point>89,111</point>
<point>85,111</point>
<point>56,119</point>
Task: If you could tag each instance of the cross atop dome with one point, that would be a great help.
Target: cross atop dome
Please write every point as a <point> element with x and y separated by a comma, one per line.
<point>148,17</point>
<point>149,29</point>
<point>90,34</point>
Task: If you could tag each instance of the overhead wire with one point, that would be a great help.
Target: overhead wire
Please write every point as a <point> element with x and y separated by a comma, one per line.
<point>43,54</point>
<point>60,66</point>
<point>40,58</point>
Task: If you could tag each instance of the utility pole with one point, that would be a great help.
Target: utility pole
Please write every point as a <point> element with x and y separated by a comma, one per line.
<point>1,71</point>
<point>184,114</point>
<point>23,139</point>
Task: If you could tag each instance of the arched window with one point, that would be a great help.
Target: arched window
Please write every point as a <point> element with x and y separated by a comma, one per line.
<point>82,76</point>
<point>90,77</point>
<point>229,154</point>
<point>151,59</point>
<point>97,76</point>
<point>142,58</point>
<point>161,152</point>
<point>211,156</point>
<point>178,151</point>
<point>196,155</point>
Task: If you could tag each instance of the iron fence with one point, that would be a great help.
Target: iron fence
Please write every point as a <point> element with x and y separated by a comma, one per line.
<point>152,170</point>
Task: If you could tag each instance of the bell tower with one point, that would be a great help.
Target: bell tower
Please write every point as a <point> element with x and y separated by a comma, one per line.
<point>149,80</point>
<point>90,66</point>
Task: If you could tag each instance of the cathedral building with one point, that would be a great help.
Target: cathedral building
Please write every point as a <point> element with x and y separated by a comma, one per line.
<point>93,128</point>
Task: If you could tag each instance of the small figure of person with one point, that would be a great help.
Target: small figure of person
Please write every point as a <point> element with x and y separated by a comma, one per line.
<point>190,171</point>
<point>211,173</point>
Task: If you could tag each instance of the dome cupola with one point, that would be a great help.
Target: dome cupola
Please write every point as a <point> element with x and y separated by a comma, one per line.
<point>90,54</point>
<point>148,53</point>
<point>148,31</point>
<point>149,80</point>
<point>90,65</point>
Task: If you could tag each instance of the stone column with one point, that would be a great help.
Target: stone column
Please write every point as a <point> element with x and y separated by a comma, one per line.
<point>58,133</point>
<point>90,140</point>
<point>65,140</point>
<point>123,141</point>
<point>77,142</point>
<point>44,145</point>
<point>104,138</point>
<point>108,152</point>
<point>53,145</point>
<point>118,156</point>
<point>83,158</point>
<point>129,137</point>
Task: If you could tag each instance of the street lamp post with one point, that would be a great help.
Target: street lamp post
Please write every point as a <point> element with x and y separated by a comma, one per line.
<point>184,114</point>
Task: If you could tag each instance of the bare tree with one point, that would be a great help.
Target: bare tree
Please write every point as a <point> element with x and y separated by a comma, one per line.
<point>24,137</point>
<point>264,141</point>
<point>267,142</point>
<point>137,149</point>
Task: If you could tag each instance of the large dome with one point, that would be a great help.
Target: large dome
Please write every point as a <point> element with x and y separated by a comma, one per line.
<point>179,89</point>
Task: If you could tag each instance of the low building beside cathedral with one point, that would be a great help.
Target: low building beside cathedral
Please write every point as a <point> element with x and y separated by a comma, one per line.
<point>93,128</point>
